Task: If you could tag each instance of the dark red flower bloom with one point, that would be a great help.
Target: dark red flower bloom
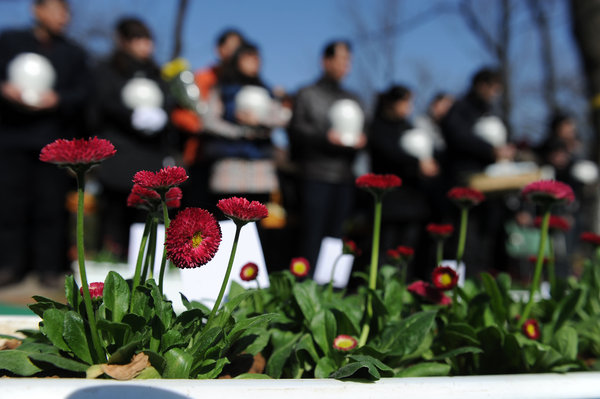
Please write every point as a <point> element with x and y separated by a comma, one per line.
<point>429,292</point>
<point>242,211</point>
<point>77,153</point>
<point>440,231</point>
<point>350,248</point>
<point>401,253</point>
<point>378,184</point>
<point>162,180</point>
<point>556,223</point>
<point>193,238</point>
<point>444,278</point>
<point>548,192</point>
<point>249,271</point>
<point>531,329</point>
<point>173,197</point>
<point>149,200</point>
<point>299,267</point>
<point>344,342</point>
<point>96,290</point>
<point>465,196</point>
<point>590,237</point>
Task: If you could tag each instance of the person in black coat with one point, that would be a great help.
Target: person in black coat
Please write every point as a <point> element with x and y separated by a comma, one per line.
<point>407,209</point>
<point>468,154</point>
<point>33,235</point>
<point>139,131</point>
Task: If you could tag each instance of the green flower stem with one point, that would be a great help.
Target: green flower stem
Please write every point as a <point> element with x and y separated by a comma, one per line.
<point>535,284</point>
<point>439,251</point>
<point>150,252</point>
<point>163,262</point>
<point>462,237</point>
<point>238,228</point>
<point>140,257</point>
<point>373,272</point>
<point>551,265</point>
<point>87,298</point>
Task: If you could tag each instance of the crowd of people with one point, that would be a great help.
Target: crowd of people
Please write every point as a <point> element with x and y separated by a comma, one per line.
<point>290,153</point>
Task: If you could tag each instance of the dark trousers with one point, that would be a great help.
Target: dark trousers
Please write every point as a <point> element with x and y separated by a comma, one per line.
<point>325,208</point>
<point>33,217</point>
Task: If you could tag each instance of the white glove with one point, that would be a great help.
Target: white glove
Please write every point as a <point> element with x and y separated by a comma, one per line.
<point>148,120</point>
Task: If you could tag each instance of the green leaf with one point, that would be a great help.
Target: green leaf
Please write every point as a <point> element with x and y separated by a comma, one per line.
<point>210,368</point>
<point>565,342</point>
<point>306,345</point>
<point>162,308</point>
<point>404,337</point>
<point>187,318</point>
<point>252,322</point>
<point>157,361</point>
<point>135,321</point>
<point>566,309</point>
<point>149,373</point>
<point>206,339</point>
<point>170,339</point>
<point>59,362</point>
<point>252,376</point>
<point>116,295</point>
<point>306,296</point>
<point>179,363</point>
<point>281,354</point>
<point>496,300</point>
<point>325,366</point>
<point>53,328</point>
<point>393,299</point>
<point>426,369</point>
<point>17,362</point>
<point>323,327</point>
<point>72,292</point>
<point>117,333</point>
<point>124,354</point>
<point>374,367</point>
<point>75,337</point>
<point>457,352</point>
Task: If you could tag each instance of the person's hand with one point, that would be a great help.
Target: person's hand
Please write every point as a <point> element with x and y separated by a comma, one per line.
<point>11,92</point>
<point>505,153</point>
<point>429,167</point>
<point>335,138</point>
<point>48,99</point>
<point>247,118</point>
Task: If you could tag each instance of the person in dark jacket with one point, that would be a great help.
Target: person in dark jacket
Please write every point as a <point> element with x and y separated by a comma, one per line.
<point>33,234</point>
<point>139,131</point>
<point>324,161</point>
<point>467,154</point>
<point>406,210</point>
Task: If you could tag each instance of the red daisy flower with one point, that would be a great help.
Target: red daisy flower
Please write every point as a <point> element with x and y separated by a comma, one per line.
<point>162,180</point>
<point>193,238</point>
<point>173,197</point>
<point>401,253</point>
<point>299,267</point>
<point>378,184</point>
<point>77,153</point>
<point>344,343</point>
<point>440,231</point>
<point>429,292</point>
<point>350,248</point>
<point>96,290</point>
<point>548,192</point>
<point>249,271</point>
<point>531,329</point>
<point>465,196</point>
<point>590,237</point>
<point>242,211</point>
<point>556,223</point>
<point>444,278</point>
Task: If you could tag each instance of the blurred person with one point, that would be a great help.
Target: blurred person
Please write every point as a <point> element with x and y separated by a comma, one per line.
<point>324,161</point>
<point>33,232</point>
<point>241,145</point>
<point>407,210</point>
<point>468,154</point>
<point>195,159</point>
<point>137,129</point>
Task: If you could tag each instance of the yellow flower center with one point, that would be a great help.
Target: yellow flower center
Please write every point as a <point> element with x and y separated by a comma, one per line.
<point>248,272</point>
<point>196,240</point>
<point>445,279</point>
<point>530,330</point>
<point>299,267</point>
<point>344,343</point>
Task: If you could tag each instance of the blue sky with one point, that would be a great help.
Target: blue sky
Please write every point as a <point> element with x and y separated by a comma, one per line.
<point>438,54</point>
